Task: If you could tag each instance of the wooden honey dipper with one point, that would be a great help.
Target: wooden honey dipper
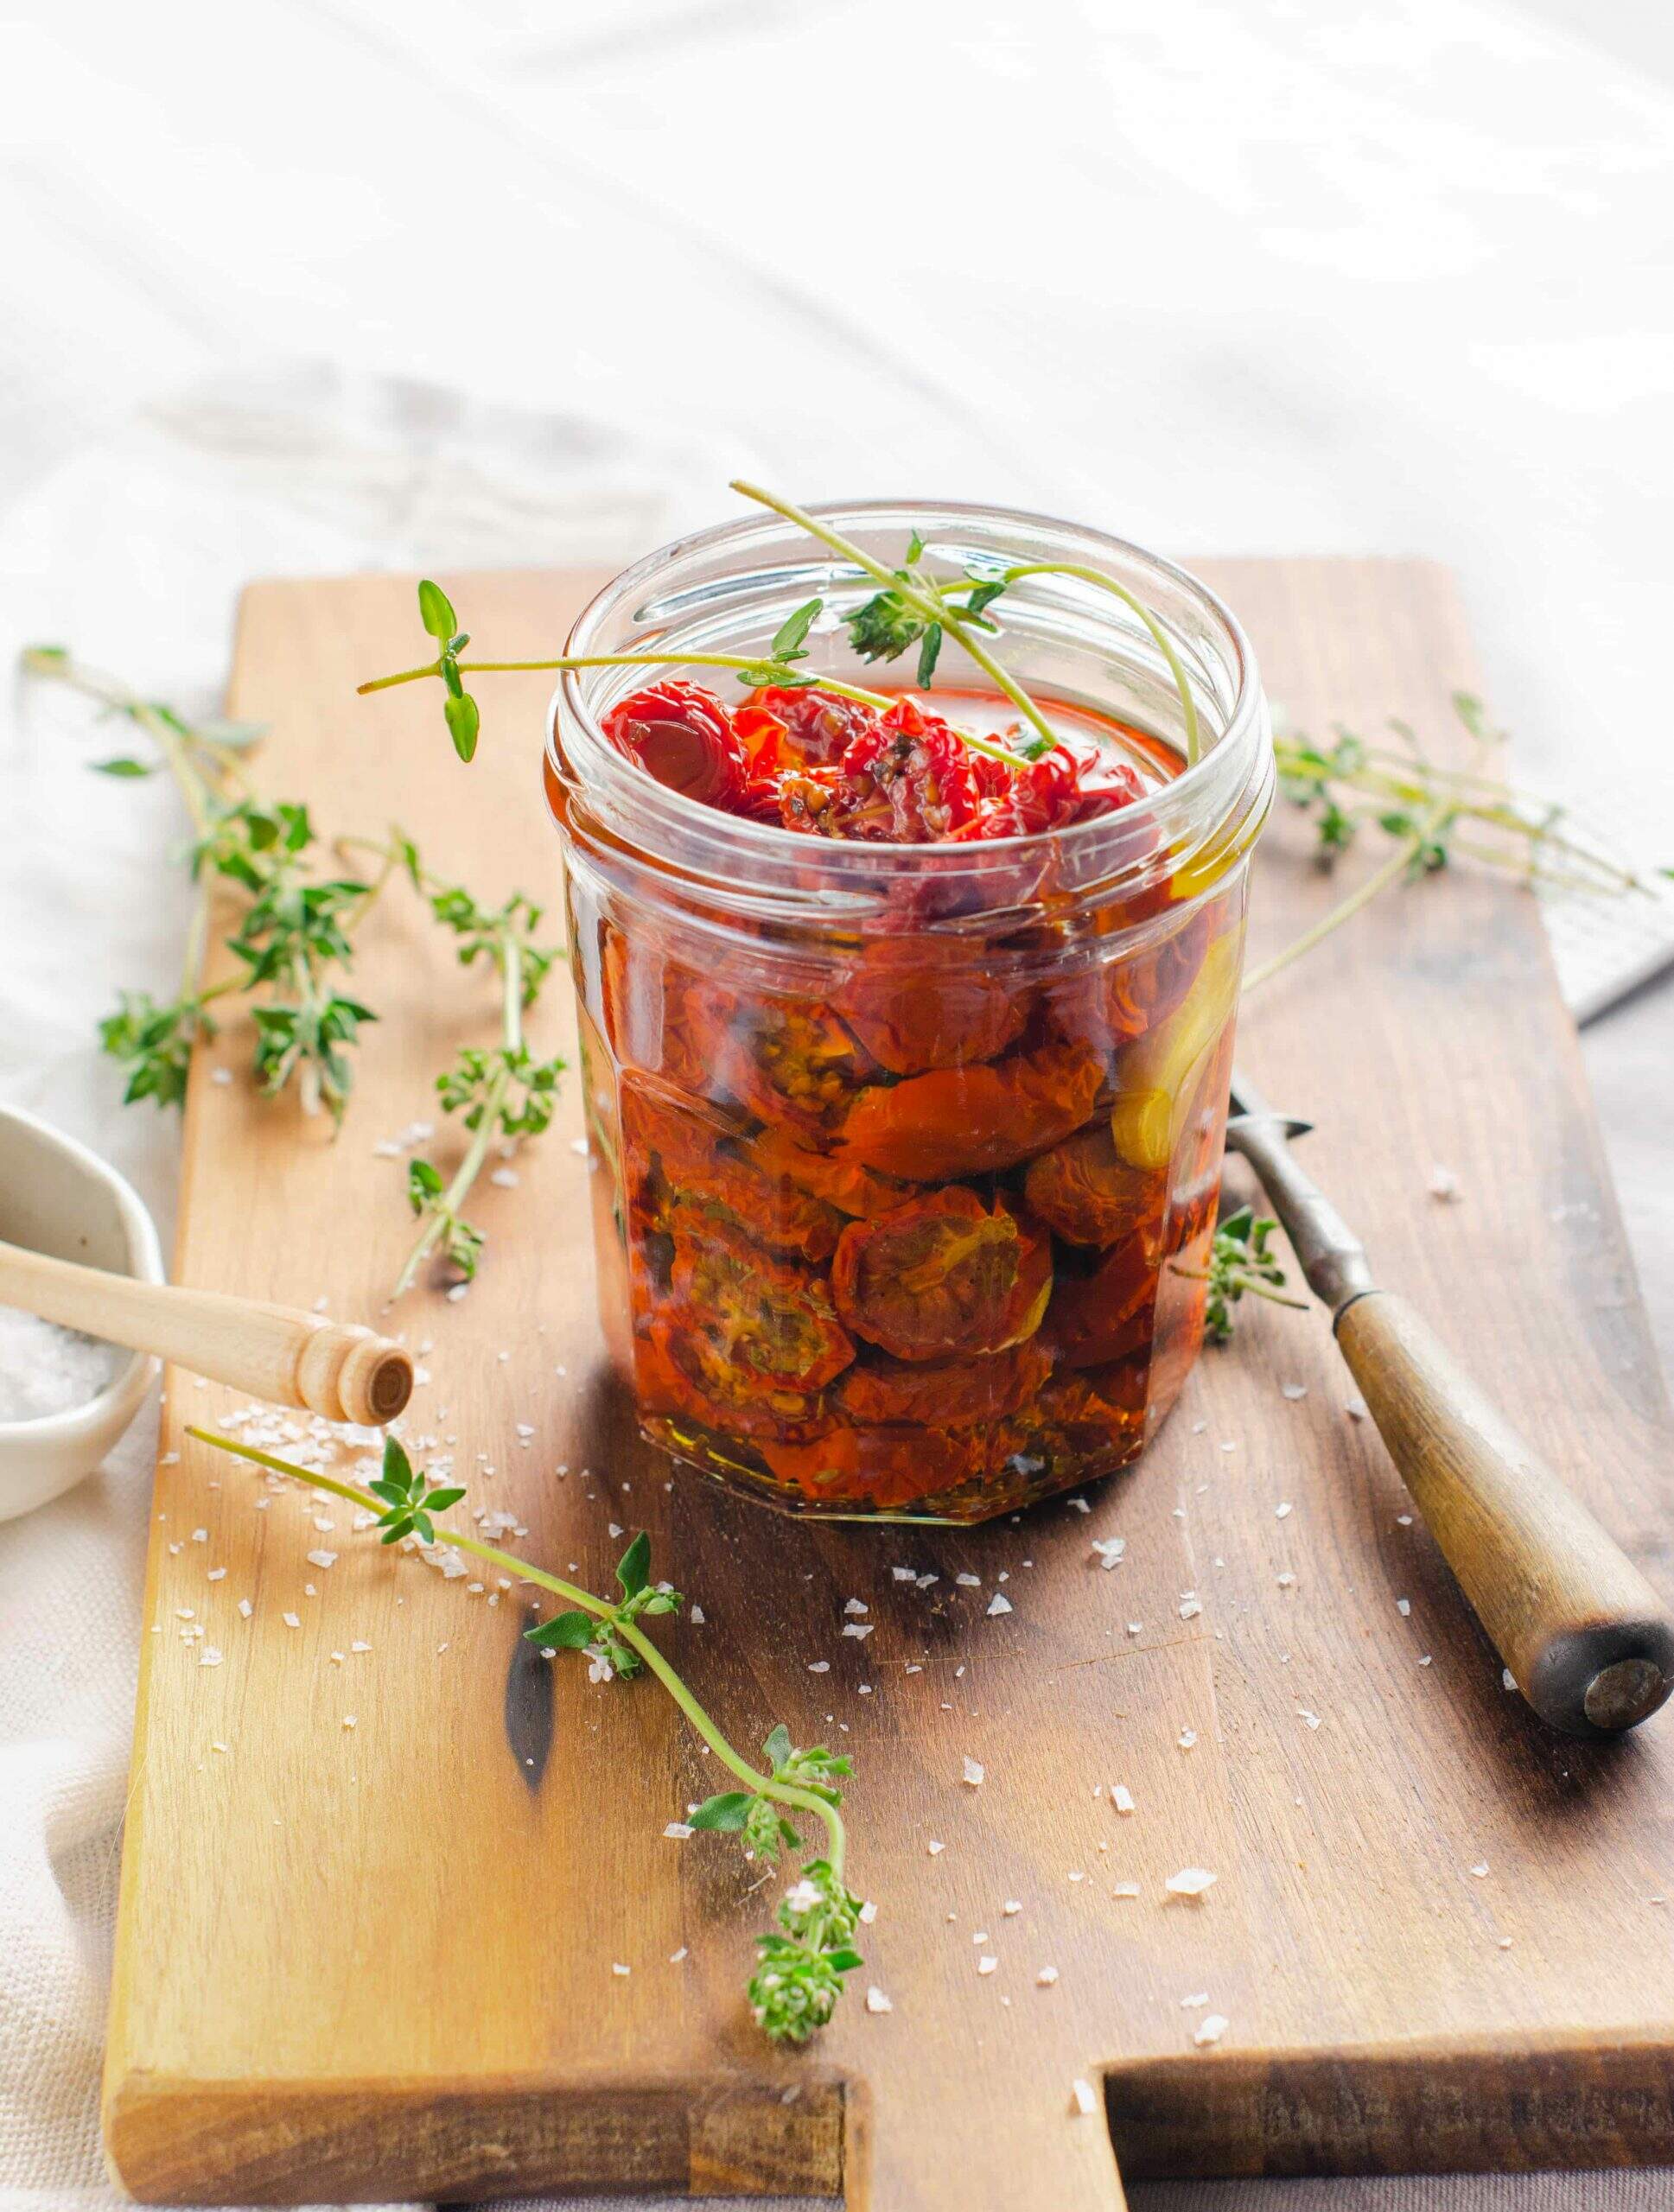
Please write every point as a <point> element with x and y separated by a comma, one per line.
<point>275,1352</point>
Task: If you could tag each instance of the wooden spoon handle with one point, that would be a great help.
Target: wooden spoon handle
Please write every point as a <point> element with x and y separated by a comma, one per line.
<point>273,1351</point>
<point>1587,1641</point>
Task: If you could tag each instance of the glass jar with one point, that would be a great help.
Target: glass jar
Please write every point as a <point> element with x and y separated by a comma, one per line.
<point>906,1157</point>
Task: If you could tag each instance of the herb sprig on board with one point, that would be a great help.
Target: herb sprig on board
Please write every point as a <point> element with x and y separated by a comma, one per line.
<point>803,1956</point>
<point>1239,1260</point>
<point>294,934</point>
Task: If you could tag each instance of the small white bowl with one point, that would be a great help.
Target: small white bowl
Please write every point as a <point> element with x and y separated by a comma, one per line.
<point>57,1197</point>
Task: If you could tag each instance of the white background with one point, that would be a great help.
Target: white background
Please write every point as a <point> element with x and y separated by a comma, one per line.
<point>1231,275</point>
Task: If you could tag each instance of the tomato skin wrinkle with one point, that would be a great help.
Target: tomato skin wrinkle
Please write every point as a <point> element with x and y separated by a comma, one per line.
<point>942,1276</point>
<point>684,738</point>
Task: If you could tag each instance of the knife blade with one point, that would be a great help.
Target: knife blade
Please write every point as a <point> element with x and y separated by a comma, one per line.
<point>1587,1641</point>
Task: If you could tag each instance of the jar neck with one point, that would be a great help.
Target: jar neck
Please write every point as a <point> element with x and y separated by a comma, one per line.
<point>1067,641</point>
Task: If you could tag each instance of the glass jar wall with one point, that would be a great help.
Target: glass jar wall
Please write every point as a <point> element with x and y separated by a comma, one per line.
<point>907,1157</point>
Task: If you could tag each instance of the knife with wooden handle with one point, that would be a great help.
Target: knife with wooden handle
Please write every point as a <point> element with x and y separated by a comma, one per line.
<point>1587,1641</point>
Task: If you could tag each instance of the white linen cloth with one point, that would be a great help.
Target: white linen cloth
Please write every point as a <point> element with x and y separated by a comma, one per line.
<point>1251,274</point>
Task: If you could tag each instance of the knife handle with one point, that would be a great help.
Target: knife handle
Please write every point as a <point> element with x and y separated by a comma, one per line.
<point>1587,1641</point>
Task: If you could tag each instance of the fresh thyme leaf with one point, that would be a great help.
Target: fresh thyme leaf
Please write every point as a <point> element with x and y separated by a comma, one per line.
<point>791,637</point>
<point>929,650</point>
<point>571,1631</point>
<point>463,722</point>
<point>725,1813</point>
<point>1239,1260</point>
<point>122,766</point>
<point>435,612</point>
<point>633,1568</point>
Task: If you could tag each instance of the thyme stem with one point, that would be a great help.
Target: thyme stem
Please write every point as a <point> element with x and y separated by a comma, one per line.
<point>860,696</point>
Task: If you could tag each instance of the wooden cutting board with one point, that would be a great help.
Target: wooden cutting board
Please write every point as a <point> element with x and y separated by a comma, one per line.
<point>378,1961</point>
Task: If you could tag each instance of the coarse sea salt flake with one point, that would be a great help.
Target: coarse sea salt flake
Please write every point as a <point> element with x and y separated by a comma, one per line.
<point>1210,2029</point>
<point>1084,2102</point>
<point>969,1581</point>
<point>246,1608</point>
<point>877,2001</point>
<point>998,1603</point>
<point>678,1831</point>
<point>1122,1797</point>
<point>322,1559</point>
<point>858,1629</point>
<point>291,1620</point>
<point>1190,1882</point>
<point>210,1658</point>
<point>1404,1606</point>
<point>1108,1550</point>
<point>855,1605</point>
<point>974,1774</point>
<point>904,1573</point>
<point>935,1849</point>
<point>1046,1978</point>
<point>986,1964</point>
<point>1282,1511</point>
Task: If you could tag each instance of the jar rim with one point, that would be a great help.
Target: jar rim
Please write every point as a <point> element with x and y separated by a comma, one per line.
<point>1208,790</point>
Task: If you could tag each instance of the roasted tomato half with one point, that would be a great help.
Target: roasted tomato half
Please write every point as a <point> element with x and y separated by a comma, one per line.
<point>943,1392</point>
<point>678,1372</point>
<point>917,1003</point>
<point>1104,1313</point>
<point>1088,1193</point>
<point>676,1158</point>
<point>944,1277</point>
<point>886,1467</point>
<point>684,737</point>
<point>754,1314</point>
<point>818,727</point>
<point>972,1121</point>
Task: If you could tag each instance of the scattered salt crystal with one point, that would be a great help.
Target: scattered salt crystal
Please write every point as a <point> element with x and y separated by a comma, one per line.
<point>359,1645</point>
<point>246,1607</point>
<point>1355,1410</point>
<point>200,1535</point>
<point>210,1658</point>
<point>1186,1739</point>
<point>322,1559</point>
<point>696,1615</point>
<point>1287,1581</point>
<point>1125,1889</point>
<point>616,1966</point>
<point>222,1076</point>
<point>1133,1627</point>
<point>1081,2093</point>
<point>678,1831</point>
<point>1403,1520</point>
<point>986,1964</point>
<point>348,1721</point>
<point>1443,1185</point>
<point>877,2001</point>
<point>1210,2029</point>
<point>675,1957</point>
<point>855,1605</point>
<point>1122,1797</point>
<point>969,1581</point>
<point>1404,1606</point>
<point>998,1603</point>
<point>1108,1549</point>
<point>505,1178</point>
<point>904,1573</point>
<point>1283,1509</point>
<point>1080,1505</point>
<point>974,1774</point>
<point>1293,1390</point>
<point>819,1666</point>
<point>291,1620</point>
<point>868,1913</point>
<point>1312,1719</point>
<point>1190,1882</point>
<point>1481,1869</point>
<point>1011,1908</point>
<point>1426,1661</point>
<point>216,1574</point>
<point>859,1629</point>
<point>1190,1608</point>
<point>935,1849</point>
<point>1046,1978</point>
<point>1507,1678</point>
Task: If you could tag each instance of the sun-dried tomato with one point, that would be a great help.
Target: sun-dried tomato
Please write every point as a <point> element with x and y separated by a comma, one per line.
<point>906,779</point>
<point>942,1394</point>
<point>1088,1193</point>
<point>923,1003</point>
<point>1073,783</point>
<point>859,1192</point>
<point>751,1313</point>
<point>682,736</point>
<point>1104,1313</point>
<point>676,1159</point>
<point>944,1276</point>
<point>972,1121</point>
<point>677,1373</point>
<point>886,1467</point>
<point>818,726</point>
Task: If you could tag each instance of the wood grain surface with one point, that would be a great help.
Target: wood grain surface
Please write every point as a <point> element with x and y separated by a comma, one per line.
<point>377,1961</point>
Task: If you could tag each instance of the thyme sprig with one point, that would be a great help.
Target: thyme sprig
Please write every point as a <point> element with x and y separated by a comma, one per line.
<point>294,936</point>
<point>911,607</point>
<point>501,1092</point>
<point>778,667</point>
<point>804,1957</point>
<point>1239,1260</point>
<point>1432,813</point>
